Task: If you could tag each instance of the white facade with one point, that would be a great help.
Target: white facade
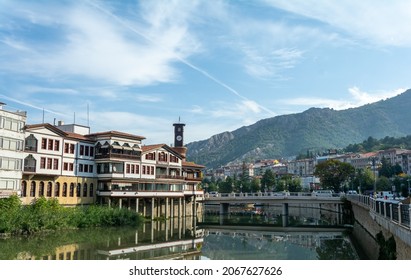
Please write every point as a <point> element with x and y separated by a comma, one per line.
<point>11,150</point>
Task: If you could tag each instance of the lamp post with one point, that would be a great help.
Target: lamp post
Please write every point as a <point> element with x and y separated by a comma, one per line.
<point>373,162</point>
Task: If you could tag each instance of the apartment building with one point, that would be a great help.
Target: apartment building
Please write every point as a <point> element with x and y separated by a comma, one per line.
<point>58,164</point>
<point>11,148</point>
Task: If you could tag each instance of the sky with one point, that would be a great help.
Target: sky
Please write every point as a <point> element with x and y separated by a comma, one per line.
<point>140,66</point>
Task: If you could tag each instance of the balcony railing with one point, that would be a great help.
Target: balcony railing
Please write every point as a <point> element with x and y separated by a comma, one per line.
<point>115,155</point>
<point>164,176</point>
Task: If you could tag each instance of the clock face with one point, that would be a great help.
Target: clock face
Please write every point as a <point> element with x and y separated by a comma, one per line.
<point>179,138</point>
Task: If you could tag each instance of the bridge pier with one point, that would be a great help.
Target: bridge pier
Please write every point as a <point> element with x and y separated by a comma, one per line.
<point>224,212</point>
<point>285,215</point>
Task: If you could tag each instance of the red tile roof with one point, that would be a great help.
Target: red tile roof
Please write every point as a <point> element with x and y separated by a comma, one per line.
<point>116,133</point>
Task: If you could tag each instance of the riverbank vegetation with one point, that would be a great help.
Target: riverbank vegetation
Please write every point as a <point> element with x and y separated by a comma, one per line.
<point>48,215</point>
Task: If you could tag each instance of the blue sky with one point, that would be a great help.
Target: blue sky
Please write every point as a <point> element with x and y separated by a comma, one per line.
<point>139,66</point>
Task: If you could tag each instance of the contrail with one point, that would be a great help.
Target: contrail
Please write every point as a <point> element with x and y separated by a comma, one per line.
<point>32,106</point>
<point>201,71</point>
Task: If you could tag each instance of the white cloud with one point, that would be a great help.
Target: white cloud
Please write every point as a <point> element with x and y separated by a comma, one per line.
<point>357,98</point>
<point>95,46</point>
<point>148,98</point>
<point>387,23</point>
<point>361,97</point>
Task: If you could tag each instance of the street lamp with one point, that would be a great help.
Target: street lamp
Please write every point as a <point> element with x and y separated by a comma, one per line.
<point>373,162</point>
<point>241,189</point>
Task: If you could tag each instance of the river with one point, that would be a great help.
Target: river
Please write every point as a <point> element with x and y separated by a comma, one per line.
<point>240,236</point>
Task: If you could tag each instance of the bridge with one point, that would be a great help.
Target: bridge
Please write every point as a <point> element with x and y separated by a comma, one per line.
<point>283,198</point>
<point>391,217</point>
<point>272,198</point>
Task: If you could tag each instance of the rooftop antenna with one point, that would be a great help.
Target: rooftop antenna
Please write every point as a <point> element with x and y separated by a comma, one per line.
<point>88,116</point>
<point>74,118</point>
<point>178,119</point>
<point>43,115</point>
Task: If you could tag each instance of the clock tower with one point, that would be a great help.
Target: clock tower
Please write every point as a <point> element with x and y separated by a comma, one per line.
<point>178,134</point>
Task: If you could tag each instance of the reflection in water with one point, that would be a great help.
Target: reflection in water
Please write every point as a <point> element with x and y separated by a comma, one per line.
<point>182,239</point>
<point>226,243</point>
<point>171,239</point>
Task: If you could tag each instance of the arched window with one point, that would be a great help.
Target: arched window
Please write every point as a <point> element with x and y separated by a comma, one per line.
<point>85,190</point>
<point>41,188</point>
<point>78,190</point>
<point>33,189</point>
<point>57,189</point>
<point>23,188</point>
<point>71,190</point>
<point>49,189</point>
<point>64,189</point>
<point>91,190</point>
<point>31,143</point>
<point>30,164</point>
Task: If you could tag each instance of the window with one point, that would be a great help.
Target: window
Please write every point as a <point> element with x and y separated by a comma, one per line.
<point>65,166</point>
<point>150,156</point>
<point>41,188</point>
<point>137,169</point>
<point>66,148</point>
<point>31,143</point>
<point>57,145</point>
<point>49,163</point>
<point>71,190</point>
<point>127,168</point>
<point>144,169</point>
<point>90,169</point>
<point>86,150</point>
<point>132,168</point>
<point>92,151</point>
<point>32,189</point>
<point>43,163</point>
<point>71,166</point>
<point>23,188</point>
<point>85,190</point>
<point>152,170</point>
<point>49,188</point>
<point>78,190</point>
<point>80,167</point>
<point>162,156</point>
<point>71,148</point>
<point>91,190</point>
<point>44,143</point>
<point>86,168</point>
<point>81,150</point>
<point>57,189</point>
<point>50,144</point>
<point>64,189</point>
<point>56,164</point>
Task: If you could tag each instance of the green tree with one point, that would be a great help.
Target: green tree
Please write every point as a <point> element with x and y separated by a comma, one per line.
<point>363,179</point>
<point>383,184</point>
<point>268,180</point>
<point>255,185</point>
<point>333,173</point>
<point>227,185</point>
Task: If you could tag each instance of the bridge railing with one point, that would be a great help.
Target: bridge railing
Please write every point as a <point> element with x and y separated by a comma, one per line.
<point>396,211</point>
<point>265,194</point>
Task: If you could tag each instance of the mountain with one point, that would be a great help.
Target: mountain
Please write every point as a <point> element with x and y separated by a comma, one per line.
<point>314,129</point>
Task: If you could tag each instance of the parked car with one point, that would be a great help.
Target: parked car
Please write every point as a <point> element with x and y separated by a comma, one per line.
<point>352,192</point>
<point>213,194</point>
<point>324,193</point>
